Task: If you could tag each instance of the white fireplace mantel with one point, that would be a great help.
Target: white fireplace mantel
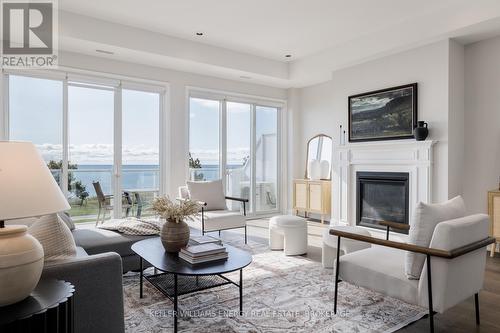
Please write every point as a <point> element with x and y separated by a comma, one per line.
<point>413,157</point>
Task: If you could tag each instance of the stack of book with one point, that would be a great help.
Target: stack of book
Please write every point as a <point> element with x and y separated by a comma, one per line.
<point>203,253</point>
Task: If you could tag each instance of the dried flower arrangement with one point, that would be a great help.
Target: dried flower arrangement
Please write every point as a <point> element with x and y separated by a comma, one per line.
<point>175,212</point>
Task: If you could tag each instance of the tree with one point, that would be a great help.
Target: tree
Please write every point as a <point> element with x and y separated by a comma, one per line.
<point>195,164</point>
<point>75,186</point>
<point>81,192</point>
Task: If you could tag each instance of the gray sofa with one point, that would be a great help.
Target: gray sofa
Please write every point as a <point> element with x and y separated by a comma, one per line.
<point>96,273</point>
<point>95,241</point>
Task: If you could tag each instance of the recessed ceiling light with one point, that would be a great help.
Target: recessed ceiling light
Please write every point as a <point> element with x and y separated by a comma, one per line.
<point>288,55</point>
<point>104,51</point>
<point>199,34</point>
<point>245,77</point>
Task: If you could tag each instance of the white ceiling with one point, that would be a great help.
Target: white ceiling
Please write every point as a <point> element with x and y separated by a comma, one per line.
<point>267,28</point>
<point>249,38</point>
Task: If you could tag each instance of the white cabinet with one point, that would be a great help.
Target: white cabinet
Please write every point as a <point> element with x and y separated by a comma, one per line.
<point>312,196</point>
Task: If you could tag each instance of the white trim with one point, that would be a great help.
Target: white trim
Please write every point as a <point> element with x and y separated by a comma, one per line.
<point>105,78</point>
<point>253,160</point>
<point>65,140</point>
<point>116,179</point>
<point>223,143</point>
<point>165,141</point>
<point>4,130</point>
<point>234,96</point>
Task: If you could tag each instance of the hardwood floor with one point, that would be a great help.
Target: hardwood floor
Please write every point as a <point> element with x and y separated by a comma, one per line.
<point>460,318</point>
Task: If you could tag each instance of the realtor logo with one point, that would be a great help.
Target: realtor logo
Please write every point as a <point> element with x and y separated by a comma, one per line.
<point>29,33</point>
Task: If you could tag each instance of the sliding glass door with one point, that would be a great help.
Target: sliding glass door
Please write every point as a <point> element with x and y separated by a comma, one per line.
<point>36,115</point>
<point>238,170</point>
<point>101,141</point>
<point>204,139</point>
<point>91,148</point>
<point>240,142</point>
<point>140,176</point>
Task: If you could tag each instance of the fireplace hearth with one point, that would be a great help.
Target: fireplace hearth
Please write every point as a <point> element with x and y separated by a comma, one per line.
<point>382,196</point>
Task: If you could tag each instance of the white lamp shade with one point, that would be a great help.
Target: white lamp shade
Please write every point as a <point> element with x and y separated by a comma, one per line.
<point>27,187</point>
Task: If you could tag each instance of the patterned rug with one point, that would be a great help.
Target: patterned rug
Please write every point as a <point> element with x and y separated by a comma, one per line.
<point>281,294</point>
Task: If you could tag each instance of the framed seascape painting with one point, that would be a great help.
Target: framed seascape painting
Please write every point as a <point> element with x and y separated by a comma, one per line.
<point>386,114</point>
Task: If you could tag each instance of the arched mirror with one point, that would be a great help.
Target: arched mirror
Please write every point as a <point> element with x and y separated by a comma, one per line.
<point>319,157</point>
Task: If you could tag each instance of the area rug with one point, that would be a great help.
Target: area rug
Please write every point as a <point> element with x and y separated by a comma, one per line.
<point>281,294</point>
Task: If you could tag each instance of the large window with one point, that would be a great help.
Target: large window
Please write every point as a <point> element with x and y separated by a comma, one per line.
<point>101,141</point>
<point>140,148</point>
<point>204,141</point>
<point>36,115</point>
<point>238,142</point>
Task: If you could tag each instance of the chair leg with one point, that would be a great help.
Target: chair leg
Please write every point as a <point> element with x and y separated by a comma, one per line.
<point>219,233</point>
<point>476,303</point>
<point>429,290</point>
<point>98,215</point>
<point>337,264</point>
<point>245,234</point>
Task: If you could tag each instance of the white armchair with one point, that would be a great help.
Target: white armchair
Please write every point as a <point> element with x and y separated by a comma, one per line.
<point>453,271</point>
<point>214,213</point>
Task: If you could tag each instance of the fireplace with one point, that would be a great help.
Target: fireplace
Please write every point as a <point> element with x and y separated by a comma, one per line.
<point>382,196</point>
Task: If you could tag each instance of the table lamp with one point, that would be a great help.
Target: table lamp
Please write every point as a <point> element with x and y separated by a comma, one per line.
<point>27,189</point>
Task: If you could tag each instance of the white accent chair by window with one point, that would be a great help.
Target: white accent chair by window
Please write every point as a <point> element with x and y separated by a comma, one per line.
<point>215,215</point>
<point>442,265</point>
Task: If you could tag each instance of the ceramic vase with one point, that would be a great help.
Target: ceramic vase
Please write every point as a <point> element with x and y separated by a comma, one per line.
<point>421,131</point>
<point>325,169</point>
<point>314,169</point>
<point>174,236</point>
<point>21,264</point>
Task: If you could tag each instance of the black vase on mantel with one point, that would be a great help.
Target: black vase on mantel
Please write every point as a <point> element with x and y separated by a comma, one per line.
<point>421,131</point>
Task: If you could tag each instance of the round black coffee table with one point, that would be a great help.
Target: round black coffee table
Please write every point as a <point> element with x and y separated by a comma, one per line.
<point>49,308</point>
<point>178,277</point>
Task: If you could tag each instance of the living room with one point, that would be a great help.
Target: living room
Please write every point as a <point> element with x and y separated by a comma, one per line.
<point>264,166</point>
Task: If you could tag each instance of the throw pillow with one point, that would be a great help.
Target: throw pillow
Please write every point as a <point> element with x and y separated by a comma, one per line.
<point>425,219</point>
<point>67,219</point>
<point>55,237</point>
<point>210,192</point>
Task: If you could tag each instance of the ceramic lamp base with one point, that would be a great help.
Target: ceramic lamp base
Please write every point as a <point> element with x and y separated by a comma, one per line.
<point>21,263</point>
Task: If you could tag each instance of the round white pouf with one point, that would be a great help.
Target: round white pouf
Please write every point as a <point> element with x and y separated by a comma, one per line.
<point>288,233</point>
<point>329,246</point>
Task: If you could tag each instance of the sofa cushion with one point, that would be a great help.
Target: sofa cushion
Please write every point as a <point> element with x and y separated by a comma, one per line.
<point>425,219</point>
<point>95,240</point>
<point>222,219</point>
<point>380,269</point>
<point>55,237</point>
<point>67,219</point>
<point>210,192</point>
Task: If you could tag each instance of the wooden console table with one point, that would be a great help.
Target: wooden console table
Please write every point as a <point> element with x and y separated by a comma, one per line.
<point>494,212</point>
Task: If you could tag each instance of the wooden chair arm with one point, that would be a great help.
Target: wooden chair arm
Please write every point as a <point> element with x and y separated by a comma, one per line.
<point>237,199</point>
<point>415,248</point>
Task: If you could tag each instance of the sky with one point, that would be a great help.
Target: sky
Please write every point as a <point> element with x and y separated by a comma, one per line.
<point>204,129</point>
<point>36,115</point>
<point>36,108</point>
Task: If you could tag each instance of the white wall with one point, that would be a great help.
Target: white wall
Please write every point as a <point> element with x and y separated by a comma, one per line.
<point>324,106</point>
<point>178,82</point>
<point>456,92</point>
<point>482,122</point>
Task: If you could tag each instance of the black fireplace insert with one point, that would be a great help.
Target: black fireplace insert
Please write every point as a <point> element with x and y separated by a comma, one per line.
<point>382,196</point>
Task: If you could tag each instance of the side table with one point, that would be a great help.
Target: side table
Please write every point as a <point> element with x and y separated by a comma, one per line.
<point>49,308</point>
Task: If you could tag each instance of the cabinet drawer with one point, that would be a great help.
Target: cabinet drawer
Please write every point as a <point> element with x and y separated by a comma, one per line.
<point>315,197</point>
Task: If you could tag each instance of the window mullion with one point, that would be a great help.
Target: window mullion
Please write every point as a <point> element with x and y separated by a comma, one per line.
<point>117,160</point>
<point>65,140</point>
<point>223,143</point>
